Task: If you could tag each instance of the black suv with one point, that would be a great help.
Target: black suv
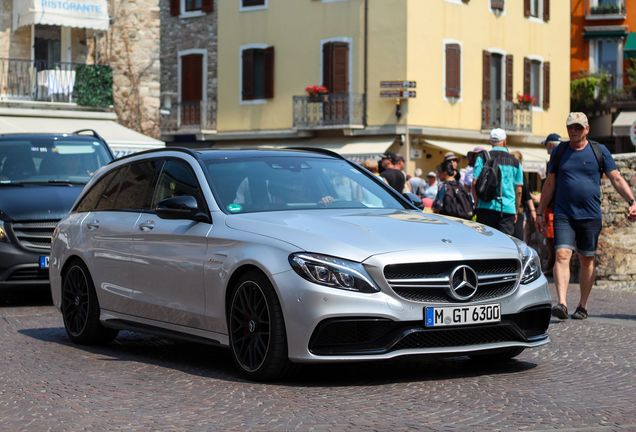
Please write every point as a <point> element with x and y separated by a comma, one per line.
<point>41,176</point>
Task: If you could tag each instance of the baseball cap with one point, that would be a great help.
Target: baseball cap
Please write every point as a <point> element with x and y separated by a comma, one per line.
<point>577,118</point>
<point>497,135</point>
<point>450,156</point>
<point>431,174</point>
<point>418,172</point>
<point>553,137</point>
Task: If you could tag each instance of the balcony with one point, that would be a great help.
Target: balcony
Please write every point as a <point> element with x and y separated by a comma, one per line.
<point>187,118</point>
<point>605,10</point>
<point>506,115</point>
<point>329,111</point>
<point>28,80</point>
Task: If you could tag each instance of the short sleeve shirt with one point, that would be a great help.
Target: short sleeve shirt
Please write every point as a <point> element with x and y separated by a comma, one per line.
<point>578,190</point>
<point>511,177</point>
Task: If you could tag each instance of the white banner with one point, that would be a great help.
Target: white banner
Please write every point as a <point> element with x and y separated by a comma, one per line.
<point>92,14</point>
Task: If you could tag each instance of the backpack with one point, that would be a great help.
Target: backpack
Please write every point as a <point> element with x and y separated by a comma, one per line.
<point>456,201</point>
<point>488,186</point>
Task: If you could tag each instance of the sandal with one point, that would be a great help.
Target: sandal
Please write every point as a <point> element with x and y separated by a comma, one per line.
<point>580,313</point>
<point>560,311</point>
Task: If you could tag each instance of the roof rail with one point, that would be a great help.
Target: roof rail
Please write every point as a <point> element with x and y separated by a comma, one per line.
<point>317,150</point>
<point>179,149</point>
<point>92,131</point>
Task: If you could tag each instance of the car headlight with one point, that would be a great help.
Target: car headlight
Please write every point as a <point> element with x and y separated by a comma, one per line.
<point>3,233</point>
<point>530,262</point>
<point>333,272</point>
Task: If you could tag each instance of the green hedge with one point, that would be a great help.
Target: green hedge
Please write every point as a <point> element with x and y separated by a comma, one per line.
<point>94,85</point>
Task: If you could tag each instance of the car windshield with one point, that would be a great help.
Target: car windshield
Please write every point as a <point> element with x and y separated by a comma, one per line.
<point>49,160</point>
<point>273,183</point>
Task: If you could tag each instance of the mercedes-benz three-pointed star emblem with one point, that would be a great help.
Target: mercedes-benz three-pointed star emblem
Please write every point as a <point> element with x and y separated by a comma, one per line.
<point>462,283</point>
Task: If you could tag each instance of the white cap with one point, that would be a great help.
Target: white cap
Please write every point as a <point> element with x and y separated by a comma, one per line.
<point>418,172</point>
<point>431,174</point>
<point>497,135</point>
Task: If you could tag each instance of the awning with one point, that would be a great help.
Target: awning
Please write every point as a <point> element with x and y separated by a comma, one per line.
<point>534,159</point>
<point>351,148</point>
<point>623,123</point>
<point>459,148</point>
<point>120,139</point>
<point>92,14</point>
<point>609,31</point>
<point>629,49</point>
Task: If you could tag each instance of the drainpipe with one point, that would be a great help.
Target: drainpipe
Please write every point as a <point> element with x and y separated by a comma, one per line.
<point>366,63</point>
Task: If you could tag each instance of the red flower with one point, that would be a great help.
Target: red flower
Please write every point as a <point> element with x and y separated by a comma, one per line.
<point>523,98</point>
<point>315,90</point>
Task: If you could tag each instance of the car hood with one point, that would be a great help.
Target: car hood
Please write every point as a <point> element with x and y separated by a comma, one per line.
<point>359,234</point>
<point>35,202</point>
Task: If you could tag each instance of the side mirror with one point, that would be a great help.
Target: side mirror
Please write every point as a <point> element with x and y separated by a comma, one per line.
<point>414,199</point>
<point>181,207</point>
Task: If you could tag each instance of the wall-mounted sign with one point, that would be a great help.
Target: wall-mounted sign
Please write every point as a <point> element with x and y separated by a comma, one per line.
<point>398,84</point>
<point>400,94</point>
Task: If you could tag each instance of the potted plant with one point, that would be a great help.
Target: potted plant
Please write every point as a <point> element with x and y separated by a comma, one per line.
<point>315,92</point>
<point>525,101</point>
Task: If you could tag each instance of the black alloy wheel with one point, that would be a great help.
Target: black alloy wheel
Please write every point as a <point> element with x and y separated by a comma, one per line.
<point>257,329</point>
<point>80,308</point>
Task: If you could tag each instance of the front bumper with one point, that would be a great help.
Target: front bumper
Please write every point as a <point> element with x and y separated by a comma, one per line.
<point>20,267</point>
<point>332,325</point>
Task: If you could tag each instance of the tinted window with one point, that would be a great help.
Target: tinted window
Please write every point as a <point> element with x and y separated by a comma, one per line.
<point>90,200</point>
<point>136,186</point>
<point>108,196</point>
<point>177,179</point>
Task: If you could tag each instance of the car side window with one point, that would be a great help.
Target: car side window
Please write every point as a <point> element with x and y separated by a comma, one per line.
<point>108,197</point>
<point>90,200</point>
<point>137,186</point>
<point>177,179</point>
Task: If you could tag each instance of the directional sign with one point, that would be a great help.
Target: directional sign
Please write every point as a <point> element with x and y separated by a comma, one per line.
<point>398,84</point>
<point>401,94</point>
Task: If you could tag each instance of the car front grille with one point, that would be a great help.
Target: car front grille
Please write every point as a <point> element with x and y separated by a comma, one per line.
<point>28,275</point>
<point>429,282</point>
<point>456,337</point>
<point>34,236</point>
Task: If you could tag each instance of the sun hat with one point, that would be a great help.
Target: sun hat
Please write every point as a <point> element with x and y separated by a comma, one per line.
<point>450,156</point>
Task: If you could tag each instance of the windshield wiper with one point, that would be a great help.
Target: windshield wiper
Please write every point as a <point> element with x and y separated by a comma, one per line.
<point>68,182</point>
<point>11,184</point>
<point>50,182</point>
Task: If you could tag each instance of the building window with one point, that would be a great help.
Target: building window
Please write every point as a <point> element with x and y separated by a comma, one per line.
<point>453,70</point>
<point>335,67</point>
<point>185,8</point>
<point>497,5</point>
<point>539,9</point>
<point>192,5</point>
<point>606,58</point>
<point>536,82</point>
<point>253,3</point>
<point>257,73</point>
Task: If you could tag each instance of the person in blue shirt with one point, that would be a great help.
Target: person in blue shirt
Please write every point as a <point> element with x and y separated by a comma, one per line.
<point>574,181</point>
<point>501,212</point>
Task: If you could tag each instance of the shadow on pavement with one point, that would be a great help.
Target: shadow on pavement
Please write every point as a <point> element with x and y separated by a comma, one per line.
<point>615,316</point>
<point>216,362</point>
<point>27,295</point>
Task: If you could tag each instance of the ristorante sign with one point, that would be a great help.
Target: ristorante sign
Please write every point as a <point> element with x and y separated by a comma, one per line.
<point>91,14</point>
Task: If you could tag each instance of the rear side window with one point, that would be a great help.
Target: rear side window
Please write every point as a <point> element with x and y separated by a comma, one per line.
<point>177,179</point>
<point>136,186</point>
<point>108,197</point>
<point>90,200</point>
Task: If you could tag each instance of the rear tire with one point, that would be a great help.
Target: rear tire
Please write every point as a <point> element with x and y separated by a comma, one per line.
<point>257,329</point>
<point>497,356</point>
<point>80,307</point>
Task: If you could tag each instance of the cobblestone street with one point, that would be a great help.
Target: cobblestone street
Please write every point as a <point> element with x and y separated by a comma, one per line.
<point>585,380</point>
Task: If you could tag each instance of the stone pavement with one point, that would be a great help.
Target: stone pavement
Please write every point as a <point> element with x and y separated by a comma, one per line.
<point>585,380</point>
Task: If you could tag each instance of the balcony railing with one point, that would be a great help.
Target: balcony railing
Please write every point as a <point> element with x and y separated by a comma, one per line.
<point>187,117</point>
<point>604,9</point>
<point>329,111</point>
<point>506,115</point>
<point>601,92</point>
<point>36,80</point>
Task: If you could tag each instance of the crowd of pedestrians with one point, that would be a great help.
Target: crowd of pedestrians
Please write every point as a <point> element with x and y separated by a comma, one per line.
<point>492,190</point>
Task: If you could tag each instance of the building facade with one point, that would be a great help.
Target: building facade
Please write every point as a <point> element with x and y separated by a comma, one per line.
<point>469,66</point>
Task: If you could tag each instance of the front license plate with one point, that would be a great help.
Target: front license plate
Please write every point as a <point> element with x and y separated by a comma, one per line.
<point>461,315</point>
<point>44,262</point>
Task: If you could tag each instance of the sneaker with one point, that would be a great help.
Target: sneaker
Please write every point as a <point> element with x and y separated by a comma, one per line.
<point>580,313</point>
<point>560,311</point>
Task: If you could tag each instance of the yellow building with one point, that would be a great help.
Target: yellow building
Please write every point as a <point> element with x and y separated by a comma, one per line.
<point>470,62</point>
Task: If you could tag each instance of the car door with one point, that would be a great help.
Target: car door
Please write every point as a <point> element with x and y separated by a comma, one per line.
<point>168,256</point>
<point>107,233</point>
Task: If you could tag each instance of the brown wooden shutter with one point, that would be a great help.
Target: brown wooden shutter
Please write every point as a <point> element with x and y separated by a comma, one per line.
<point>527,70</point>
<point>509,71</point>
<point>327,58</point>
<point>174,7</point>
<point>485,95</point>
<point>191,77</point>
<point>453,70</point>
<point>207,6</point>
<point>546,85</point>
<point>340,72</point>
<point>248,75</point>
<point>269,73</point>
<point>526,8</point>
<point>497,4</point>
<point>546,10</point>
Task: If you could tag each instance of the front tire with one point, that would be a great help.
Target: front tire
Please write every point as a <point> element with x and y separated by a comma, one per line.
<point>80,307</point>
<point>257,329</point>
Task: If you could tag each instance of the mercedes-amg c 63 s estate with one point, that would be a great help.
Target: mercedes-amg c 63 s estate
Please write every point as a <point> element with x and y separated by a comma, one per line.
<point>287,256</point>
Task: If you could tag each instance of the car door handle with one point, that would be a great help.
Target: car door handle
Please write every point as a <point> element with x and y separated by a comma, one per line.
<point>147,226</point>
<point>92,225</point>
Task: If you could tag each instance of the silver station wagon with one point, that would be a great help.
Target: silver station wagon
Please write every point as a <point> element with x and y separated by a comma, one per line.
<point>287,256</point>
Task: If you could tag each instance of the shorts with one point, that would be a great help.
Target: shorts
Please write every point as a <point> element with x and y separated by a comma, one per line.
<point>580,235</point>
<point>549,223</point>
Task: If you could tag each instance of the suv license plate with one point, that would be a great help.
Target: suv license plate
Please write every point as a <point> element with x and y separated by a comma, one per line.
<point>461,315</point>
<point>44,262</point>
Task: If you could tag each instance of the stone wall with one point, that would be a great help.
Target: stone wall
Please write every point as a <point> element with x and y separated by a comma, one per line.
<point>616,265</point>
<point>13,45</point>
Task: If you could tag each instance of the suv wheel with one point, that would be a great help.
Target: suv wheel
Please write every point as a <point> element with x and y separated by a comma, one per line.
<point>257,328</point>
<point>80,308</point>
